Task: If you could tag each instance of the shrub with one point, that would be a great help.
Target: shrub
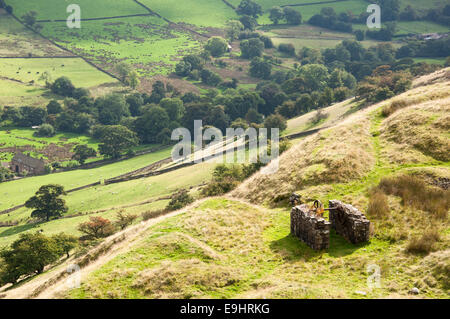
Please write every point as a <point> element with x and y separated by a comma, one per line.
<point>416,193</point>
<point>220,187</point>
<point>123,220</point>
<point>97,227</point>
<point>28,255</point>
<point>45,130</point>
<point>153,214</point>
<point>378,204</point>
<point>393,107</point>
<point>425,244</point>
<point>179,200</point>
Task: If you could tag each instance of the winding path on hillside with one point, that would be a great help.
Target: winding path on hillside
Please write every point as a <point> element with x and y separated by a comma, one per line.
<point>54,282</point>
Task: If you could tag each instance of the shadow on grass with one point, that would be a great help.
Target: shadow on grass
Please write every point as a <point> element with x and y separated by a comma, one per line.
<point>339,247</point>
<point>18,229</point>
<point>292,248</point>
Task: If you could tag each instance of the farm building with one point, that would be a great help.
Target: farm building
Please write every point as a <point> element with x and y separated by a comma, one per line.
<point>22,163</point>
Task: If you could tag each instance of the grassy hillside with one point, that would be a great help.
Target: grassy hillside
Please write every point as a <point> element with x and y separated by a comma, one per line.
<point>56,10</point>
<point>202,13</point>
<point>203,253</point>
<point>78,71</point>
<point>148,43</point>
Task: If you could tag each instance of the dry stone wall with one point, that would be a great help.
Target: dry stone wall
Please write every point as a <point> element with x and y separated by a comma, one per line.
<point>349,222</point>
<point>313,230</point>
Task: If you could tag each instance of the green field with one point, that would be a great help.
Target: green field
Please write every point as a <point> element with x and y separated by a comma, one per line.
<point>16,40</point>
<point>30,70</point>
<point>355,6</point>
<point>108,198</point>
<point>202,13</point>
<point>25,188</point>
<point>56,10</point>
<point>13,93</point>
<point>148,43</point>
<point>203,254</point>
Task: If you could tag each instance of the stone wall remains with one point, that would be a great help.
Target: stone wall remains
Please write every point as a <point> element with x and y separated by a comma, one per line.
<point>313,230</point>
<point>349,222</point>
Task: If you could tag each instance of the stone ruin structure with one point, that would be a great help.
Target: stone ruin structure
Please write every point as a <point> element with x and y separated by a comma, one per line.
<point>314,230</point>
<point>349,222</point>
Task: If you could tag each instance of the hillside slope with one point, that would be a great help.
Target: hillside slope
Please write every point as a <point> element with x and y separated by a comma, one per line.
<point>240,246</point>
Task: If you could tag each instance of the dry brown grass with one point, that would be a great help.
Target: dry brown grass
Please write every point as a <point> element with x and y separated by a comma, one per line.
<point>176,279</point>
<point>424,244</point>
<point>378,205</point>
<point>433,271</point>
<point>415,193</point>
<point>418,133</point>
<point>339,154</point>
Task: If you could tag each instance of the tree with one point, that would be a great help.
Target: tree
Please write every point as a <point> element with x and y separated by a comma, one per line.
<point>250,8</point>
<point>276,14</point>
<point>133,80</point>
<point>260,68</point>
<point>234,27</point>
<point>315,75</point>
<point>97,227</point>
<point>65,243</point>
<point>174,108</point>
<point>253,116</point>
<point>111,109</point>
<point>359,34</point>
<point>275,121</point>
<point>134,101</point>
<point>116,139</point>
<point>54,107</point>
<point>210,78</point>
<point>124,220</point>
<point>28,255</point>
<point>82,152</point>
<point>183,68</point>
<point>248,22</point>
<point>123,70</point>
<point>152,122</point>
<point>217,46</point>
<point>47,202</point>
<point>45,130</point>
<point>292,16</point>
<point>29,18</point>
<point>180,200</point>
<point>63,86</point>
<point>252,48</point>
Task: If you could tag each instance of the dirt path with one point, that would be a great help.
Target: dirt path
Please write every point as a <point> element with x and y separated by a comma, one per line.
<point>53,283</point>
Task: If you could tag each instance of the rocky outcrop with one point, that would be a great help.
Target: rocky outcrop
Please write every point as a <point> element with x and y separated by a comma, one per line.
<point>313,230</point>
<point>349,222</point>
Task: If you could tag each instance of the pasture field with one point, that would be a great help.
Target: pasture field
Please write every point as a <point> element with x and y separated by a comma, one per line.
<point>13,93</point>
<point>56,9</point>
<point>267,4</point>
<point>310,36</point>
<point>16,40</point>
<point>108,199</point>
<point>49,148</point>
<point>76,69</point>
<point>147,43</point>
<point>25,188</point>
<point>201,13</point>
<point>203,254</point>
<point>307,11</point>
